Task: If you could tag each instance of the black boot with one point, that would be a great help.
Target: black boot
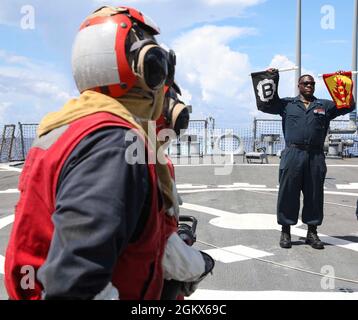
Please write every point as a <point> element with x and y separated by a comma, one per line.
<point>312,238</point>
<point>285,240</point>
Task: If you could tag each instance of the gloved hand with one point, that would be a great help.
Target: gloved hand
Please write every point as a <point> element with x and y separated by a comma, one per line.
<point>173,288</point>
<point>188,288</point>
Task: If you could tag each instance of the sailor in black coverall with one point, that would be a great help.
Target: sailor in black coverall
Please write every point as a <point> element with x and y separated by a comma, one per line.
<point>305,122</point>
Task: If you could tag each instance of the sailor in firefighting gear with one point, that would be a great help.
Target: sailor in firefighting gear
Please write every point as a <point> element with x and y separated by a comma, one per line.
<point>184,266</point>
<point>176,114</point>
<point>305,122</point>
<point>90,222</point>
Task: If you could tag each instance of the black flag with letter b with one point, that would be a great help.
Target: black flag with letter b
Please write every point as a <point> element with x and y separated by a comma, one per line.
<point>265,86</point>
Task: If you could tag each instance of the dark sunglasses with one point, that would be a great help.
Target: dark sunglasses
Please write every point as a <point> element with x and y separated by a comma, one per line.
<point>306,83</point>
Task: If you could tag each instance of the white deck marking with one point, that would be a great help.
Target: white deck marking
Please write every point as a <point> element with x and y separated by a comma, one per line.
<point>236,253</point>
<point>324,187</point>
<point>208,210</point>
<point>230,189</point>
<point>8,168</point>
<point>190,186</point>
<point>350,186</point>
<point>3,223</point>
<point>6,221</point>
<point>349,194</point>
<point>201,294</point>
<point>250,221</point>
<point>242,185</point>
<point>242,221</point>
<point>2,264</point>
<point>9,191</point>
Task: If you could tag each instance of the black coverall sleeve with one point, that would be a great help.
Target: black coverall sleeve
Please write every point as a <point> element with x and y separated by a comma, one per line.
<point>276,107</point>
<point>333,112</point>
<point>100,198</point>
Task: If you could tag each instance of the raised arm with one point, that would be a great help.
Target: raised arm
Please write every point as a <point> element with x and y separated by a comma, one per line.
<point>276,108</point>
<point>333,112</point>
<point>276,105</point>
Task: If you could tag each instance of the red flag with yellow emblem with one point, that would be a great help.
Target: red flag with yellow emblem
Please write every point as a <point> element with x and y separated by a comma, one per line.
<point>340,87</point>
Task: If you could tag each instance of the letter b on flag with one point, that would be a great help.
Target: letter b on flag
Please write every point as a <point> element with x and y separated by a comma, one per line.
<point>266,90</point>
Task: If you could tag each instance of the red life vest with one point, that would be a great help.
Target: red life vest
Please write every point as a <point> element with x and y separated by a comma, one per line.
<point>138,273</point>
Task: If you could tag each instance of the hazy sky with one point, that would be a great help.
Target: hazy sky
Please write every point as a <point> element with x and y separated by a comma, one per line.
<point>218,44</point>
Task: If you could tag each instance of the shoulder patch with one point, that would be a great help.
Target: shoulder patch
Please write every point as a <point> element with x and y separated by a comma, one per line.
<point>46,141</point>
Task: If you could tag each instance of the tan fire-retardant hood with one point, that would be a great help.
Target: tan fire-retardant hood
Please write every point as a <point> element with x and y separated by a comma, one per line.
<point>136,107</point>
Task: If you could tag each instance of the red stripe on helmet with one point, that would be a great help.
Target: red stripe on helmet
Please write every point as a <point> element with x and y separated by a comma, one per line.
<point>126,75</point>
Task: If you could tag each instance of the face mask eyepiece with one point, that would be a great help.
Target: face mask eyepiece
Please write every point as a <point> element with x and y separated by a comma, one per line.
<point>155,68</point>
<point>157,64</point>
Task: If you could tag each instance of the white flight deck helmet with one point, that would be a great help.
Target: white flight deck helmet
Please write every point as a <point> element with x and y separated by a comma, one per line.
<point>116,49</point>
